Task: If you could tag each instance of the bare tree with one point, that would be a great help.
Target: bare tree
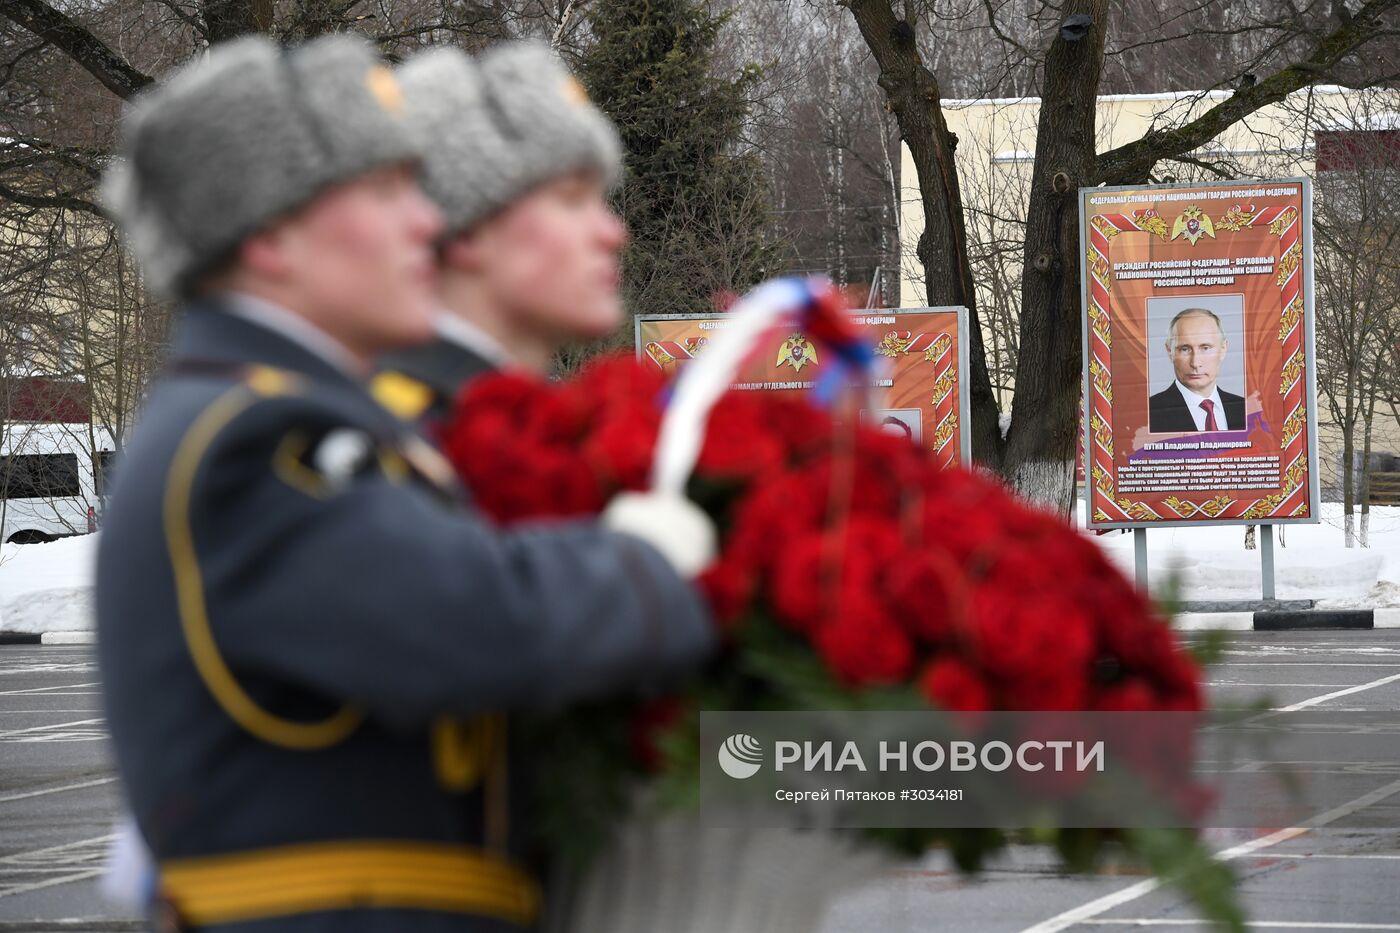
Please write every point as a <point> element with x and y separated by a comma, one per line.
<point>1278,54</point>
<point>1358,246</point>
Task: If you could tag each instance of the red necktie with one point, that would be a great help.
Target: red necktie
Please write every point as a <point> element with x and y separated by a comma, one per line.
<point>1209,406</point>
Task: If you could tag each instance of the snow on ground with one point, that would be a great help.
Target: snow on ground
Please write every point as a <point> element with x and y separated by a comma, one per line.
<point>47,587</point>
<point>1310,561</point>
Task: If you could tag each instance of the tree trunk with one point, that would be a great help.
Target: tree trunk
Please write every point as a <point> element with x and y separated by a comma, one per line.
<point>1349,478</point>
<point>913,95</point>
<point>1365,493</point>
<point>1045,416</point>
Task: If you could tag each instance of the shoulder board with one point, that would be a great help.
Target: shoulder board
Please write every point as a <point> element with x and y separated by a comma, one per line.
<point>402,395</point>
<point>267,381</point>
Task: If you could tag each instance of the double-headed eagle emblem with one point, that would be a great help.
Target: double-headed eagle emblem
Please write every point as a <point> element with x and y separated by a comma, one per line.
<point>797,351</point>
<point>1193,225</point>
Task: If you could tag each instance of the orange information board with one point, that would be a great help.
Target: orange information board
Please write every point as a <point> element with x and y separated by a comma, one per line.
<point>1198,354</point>
<point>922,371</point>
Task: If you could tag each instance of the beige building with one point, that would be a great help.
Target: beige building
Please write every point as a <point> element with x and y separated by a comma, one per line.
<point>995,155</point>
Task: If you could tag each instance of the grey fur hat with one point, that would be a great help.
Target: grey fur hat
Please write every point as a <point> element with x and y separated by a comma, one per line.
<point>496,127</point>
<point>230,142</point>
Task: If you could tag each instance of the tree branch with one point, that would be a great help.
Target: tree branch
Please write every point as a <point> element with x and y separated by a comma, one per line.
<point>1131,163</point>
<point>62,202</point>
<point>75,41</point>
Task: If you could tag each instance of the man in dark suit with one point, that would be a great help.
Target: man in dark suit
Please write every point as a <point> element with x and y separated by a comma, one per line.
<point>1194,402</point>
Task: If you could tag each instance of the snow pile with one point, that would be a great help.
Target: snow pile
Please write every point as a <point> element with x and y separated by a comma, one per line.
<point>48,587</point>
<point>1310,562</point>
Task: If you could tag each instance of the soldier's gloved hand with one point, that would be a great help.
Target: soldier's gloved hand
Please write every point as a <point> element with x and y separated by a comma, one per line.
<point>673,525</point>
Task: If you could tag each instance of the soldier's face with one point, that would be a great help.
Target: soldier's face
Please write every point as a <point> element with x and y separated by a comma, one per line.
<point>552,260</point>
<point>360,258</point>
<point>1197,350</point>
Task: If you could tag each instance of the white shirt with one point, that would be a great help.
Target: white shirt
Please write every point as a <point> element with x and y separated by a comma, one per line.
<point>295,328</point>
<point>1193,404</point>
<point>467,335</point>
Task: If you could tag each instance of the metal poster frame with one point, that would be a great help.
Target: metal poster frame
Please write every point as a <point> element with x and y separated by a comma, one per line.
<point>964,357</point>
<point>1309,356</point>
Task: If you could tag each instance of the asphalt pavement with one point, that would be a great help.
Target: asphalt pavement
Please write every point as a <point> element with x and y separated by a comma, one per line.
<point>59,800</point>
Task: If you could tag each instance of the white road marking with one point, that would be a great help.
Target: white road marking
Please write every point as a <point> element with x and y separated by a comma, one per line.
<point>1257,650</point>
<point>1303,664</point>
<point>1314,701</point>
<point>51,667</point>
<point>1233,683</point>
<point>1094,908</point>
<point>62,854</point>
<point>8,890</point>
<point>1341,855</point>
<point>1251,924</point>
<point>25,795</point>
<point>52,726</point>
<point>45,690</point>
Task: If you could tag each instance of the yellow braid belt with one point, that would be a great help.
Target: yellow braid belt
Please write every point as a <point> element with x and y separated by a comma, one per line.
<point>313,877</point>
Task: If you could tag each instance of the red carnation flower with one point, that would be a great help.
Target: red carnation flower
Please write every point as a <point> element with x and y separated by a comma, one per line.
<point>728,585</point>
<point>1054,688</point>
<point>863,646</point>
<point>952,684</point>
<point>928,593</point>
<point>1131,695</point>
<point>739,442</point>
<point>620,451</point>
<point>797,592</point>
<point>650,722</point>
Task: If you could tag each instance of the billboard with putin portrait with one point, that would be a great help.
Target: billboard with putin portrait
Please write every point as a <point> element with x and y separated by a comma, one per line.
<point>922,371</point>
<point>1198,354</point>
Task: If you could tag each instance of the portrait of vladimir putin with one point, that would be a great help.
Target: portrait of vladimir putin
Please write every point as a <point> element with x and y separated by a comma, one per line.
<point>1197,346</point>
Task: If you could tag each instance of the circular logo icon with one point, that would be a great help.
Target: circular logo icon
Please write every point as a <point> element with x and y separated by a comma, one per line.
<point>740,756</point>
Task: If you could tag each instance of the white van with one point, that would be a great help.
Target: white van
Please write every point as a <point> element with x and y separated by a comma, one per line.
<point>51,479</point>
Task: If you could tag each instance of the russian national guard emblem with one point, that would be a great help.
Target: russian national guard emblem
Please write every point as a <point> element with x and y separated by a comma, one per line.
<point>694,345</point>
<point>797,351</point>
<point>1193,225</point>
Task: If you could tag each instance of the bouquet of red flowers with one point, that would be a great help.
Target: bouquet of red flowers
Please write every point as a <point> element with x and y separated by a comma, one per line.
<point>849,566</point>
<point>888,569</point>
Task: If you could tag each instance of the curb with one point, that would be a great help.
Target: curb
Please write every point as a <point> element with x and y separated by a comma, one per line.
<point>20,638</point>
<point>1213,621</point>
<point>48,638</point>
<point>1286,621</point>
<point>1275,620</point>
<point>70,638</point>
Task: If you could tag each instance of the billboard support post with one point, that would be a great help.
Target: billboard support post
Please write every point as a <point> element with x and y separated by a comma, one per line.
<point>1266,561</point>
<point>1140,557</point>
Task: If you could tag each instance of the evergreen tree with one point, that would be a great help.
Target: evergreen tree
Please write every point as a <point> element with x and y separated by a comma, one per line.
<point>697,208</point>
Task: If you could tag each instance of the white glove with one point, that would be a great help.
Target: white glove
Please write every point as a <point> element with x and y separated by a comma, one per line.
<point>673,525</point>
<point>130,879</point>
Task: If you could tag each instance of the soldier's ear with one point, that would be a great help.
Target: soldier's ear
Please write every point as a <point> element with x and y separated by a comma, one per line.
<point>269,253</point>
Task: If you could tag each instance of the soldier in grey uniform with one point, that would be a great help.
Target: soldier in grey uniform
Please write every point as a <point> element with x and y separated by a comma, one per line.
<point>305,636</point>
<point>520,162</point>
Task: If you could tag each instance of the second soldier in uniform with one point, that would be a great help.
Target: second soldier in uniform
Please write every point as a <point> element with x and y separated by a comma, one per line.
<point>520,162</point>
